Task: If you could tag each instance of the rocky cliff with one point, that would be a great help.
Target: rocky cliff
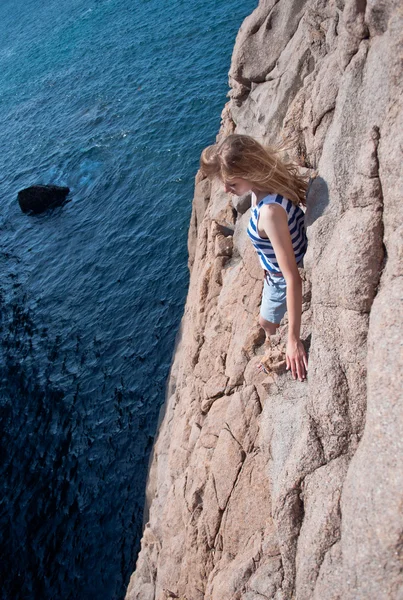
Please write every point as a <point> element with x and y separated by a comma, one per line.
<point>261,487</point>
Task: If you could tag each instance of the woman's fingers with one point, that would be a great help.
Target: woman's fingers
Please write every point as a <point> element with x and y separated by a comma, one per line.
<point>300,369</point>
<point>297,363</point>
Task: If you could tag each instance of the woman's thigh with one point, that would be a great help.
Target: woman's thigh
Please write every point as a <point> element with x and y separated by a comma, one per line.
<point>274,299</point>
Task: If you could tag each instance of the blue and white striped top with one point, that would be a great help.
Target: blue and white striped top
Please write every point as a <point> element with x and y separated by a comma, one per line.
<point>296,226</point>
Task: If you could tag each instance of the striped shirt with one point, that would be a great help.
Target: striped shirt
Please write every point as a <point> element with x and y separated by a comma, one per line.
<point>296,226</point>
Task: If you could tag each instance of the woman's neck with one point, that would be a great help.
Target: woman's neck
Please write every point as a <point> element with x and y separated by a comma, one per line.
<point>260,194</point>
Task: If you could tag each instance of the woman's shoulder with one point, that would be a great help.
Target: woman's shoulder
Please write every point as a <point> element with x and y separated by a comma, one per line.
<point>273,201</point>
<point>272,211</point>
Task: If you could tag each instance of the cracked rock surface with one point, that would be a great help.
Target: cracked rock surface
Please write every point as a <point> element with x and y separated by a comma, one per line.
<point>260,487</point>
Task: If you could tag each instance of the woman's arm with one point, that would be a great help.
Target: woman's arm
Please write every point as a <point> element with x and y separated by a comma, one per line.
<point>273,221</point>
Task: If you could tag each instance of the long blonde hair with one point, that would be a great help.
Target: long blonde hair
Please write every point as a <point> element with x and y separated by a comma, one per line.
<point>242,156</point>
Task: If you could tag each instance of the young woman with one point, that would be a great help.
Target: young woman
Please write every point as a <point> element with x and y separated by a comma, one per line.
<point>276,228</point>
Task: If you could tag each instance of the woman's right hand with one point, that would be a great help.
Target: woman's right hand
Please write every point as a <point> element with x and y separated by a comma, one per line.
<point>296,359</point>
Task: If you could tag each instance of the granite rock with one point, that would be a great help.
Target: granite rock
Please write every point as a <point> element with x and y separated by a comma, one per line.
<point>37,199</point>
<point>260,487</point>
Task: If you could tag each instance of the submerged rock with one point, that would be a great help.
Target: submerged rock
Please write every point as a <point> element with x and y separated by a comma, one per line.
<point>38,198</point>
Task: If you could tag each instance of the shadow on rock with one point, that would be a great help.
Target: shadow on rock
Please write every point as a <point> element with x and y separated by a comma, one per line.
<point>316,201</point>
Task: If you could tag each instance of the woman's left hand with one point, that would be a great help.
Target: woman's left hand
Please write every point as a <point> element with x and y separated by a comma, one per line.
<point>296,359</point>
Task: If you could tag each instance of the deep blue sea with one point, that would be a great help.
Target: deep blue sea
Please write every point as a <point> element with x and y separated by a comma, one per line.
<point>114,99</point>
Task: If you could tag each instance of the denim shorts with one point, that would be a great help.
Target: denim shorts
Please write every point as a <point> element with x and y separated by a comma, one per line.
<point>274,304</point>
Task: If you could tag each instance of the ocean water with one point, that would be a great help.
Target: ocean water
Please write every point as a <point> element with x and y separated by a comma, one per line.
<point>115,99</point>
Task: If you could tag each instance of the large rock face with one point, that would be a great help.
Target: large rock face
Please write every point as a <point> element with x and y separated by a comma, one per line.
<point>261,487</point>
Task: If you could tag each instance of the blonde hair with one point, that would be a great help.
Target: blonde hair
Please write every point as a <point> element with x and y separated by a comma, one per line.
<point>242,156</point>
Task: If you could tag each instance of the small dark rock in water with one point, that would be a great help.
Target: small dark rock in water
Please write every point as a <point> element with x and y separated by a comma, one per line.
<point>38,198</point>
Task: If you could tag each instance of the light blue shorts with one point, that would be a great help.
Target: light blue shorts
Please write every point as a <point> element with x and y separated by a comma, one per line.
<point>274,304</point>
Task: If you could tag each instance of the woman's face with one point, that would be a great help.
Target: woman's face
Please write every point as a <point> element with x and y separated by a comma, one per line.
<point>237,186</point>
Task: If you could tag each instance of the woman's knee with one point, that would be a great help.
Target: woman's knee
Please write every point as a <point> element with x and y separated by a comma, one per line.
<point>270,328</point>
